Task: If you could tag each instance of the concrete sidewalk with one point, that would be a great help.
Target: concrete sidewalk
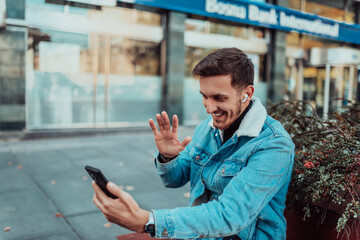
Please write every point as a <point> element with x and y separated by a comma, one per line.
<point>45,193</point>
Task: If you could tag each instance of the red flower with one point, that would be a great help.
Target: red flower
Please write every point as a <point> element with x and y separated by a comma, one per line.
<point>309,164</point>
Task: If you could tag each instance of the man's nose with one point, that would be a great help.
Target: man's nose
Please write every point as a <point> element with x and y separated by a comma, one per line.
<point>210,106</point>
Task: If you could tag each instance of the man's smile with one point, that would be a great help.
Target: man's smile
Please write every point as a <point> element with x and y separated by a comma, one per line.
<point>217,115</point>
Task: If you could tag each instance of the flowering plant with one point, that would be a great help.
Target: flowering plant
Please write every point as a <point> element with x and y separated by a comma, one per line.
<point>327,160</point>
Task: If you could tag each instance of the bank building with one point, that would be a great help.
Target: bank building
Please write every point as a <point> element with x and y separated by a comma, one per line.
<point>91,64</point>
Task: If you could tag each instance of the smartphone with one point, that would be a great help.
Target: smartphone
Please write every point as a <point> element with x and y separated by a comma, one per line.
<point>100,180</point>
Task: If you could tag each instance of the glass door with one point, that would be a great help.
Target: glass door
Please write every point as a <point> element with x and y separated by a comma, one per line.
<point>330,87</point>
<point>294,78</point>
<point>339,87</point>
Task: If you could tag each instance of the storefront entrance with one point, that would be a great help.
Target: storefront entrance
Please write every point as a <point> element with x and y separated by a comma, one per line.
<point>331,79</point>
<point>90,68</point>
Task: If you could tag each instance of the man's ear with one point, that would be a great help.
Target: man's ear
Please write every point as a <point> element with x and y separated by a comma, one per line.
<point>249,92</point>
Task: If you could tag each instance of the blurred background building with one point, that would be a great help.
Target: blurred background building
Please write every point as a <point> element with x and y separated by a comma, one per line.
<point>85,64</point>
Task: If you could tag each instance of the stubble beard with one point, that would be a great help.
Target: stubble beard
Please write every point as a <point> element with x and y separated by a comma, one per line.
<point>233,117</point>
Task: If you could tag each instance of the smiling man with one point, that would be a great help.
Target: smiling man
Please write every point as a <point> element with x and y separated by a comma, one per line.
<point>239,164</point>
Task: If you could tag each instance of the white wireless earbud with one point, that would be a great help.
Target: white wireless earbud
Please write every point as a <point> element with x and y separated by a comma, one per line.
<point>245,98</point>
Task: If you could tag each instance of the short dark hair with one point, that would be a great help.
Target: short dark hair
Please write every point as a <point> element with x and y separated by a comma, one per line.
<point>227,61</point>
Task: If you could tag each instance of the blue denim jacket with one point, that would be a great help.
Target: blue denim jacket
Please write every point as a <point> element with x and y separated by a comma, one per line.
<point>247,177</point>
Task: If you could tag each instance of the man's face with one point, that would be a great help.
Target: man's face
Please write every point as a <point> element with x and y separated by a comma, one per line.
<point>221,100</point>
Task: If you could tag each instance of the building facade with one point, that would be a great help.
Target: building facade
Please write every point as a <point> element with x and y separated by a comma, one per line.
<point>104,64</point>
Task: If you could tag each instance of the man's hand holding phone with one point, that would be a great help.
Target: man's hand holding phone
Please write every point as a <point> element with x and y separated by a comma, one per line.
<point>116,205</point>
<point>123,210</point>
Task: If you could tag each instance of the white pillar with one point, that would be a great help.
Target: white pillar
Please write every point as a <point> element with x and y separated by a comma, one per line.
<point>351,83</point>
<point>326,91</point>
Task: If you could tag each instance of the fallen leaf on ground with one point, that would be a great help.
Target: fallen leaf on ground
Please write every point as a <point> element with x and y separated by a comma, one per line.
<point>53,182</point>
<point>129,188</point>
<point>7,229</point>
<point>107,225</point>
<point>19,167</point>
<point>58,215</point>
<point>85,178</point>
<point>10,163</point>
<point>187,194</point>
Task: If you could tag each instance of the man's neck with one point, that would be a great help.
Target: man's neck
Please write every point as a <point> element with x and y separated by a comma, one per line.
<point>229,132</point>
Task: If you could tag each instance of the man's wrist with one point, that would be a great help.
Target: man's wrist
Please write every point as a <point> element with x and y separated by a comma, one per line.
<point>164,159</point>
<point>150,225</point>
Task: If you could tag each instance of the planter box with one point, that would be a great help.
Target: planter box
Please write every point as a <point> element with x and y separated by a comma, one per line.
<point>312,228</point>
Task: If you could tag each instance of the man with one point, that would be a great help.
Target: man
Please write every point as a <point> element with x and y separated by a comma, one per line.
<point>239,164</point>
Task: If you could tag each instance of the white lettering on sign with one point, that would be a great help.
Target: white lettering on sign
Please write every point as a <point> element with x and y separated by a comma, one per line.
<point>256,14</point>
<point>226,9</point>
<point>273,17</point>
<point>316,26</point>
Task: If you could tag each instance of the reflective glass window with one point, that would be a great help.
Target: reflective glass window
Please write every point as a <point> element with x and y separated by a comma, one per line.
<point>92,67</point>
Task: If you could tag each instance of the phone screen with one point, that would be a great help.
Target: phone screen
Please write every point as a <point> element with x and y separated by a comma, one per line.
<point>100,179</point>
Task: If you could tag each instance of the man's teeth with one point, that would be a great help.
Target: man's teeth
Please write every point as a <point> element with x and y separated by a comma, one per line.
<point>217,114</point>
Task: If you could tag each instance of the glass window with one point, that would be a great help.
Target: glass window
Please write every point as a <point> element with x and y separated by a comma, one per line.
<point>59,88</point>
<point>293,39</point>
<point>134,80</point>
<point>336,10</point>
<point>350,13</point>
<point>206,26</point>
<point>97,77</point>
<point>336,13</point>
<point>296,4</point>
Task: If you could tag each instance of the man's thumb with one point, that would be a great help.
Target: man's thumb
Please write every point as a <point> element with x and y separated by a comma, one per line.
<point>113,188</point>
<point>185,142</point>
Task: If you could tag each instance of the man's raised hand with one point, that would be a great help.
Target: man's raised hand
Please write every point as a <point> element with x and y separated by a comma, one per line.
<point>166,139</point>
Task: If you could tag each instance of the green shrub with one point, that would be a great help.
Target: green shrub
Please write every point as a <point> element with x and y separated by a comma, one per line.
<point>327,160</point>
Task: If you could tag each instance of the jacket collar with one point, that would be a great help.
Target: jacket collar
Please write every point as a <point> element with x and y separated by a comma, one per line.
<point>252,122</point>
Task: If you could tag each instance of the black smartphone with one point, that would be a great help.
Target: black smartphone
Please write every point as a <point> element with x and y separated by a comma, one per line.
<point>100,179</point>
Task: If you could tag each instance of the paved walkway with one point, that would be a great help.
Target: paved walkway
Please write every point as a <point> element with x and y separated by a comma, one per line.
<point>45,192</point>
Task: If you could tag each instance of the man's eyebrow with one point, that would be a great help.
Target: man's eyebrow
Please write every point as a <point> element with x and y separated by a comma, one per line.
<point>218,95</point>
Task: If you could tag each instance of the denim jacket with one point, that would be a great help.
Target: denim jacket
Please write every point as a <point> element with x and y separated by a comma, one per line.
<point>247,178</point>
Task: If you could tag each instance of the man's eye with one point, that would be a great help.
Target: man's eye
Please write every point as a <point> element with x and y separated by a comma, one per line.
<point>220,99</point>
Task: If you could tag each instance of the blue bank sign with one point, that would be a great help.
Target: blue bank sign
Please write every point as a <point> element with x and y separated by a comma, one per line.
<point>262,15</point>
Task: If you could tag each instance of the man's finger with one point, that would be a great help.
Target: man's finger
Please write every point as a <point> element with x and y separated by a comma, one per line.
<point>114,189</point>
<point>153,127</point>
<point>166,120</point>
<point>160,122</point>
<point>185,142</point>
<point>97,202</point>
<point>175,124</point>
<point>101,196</point>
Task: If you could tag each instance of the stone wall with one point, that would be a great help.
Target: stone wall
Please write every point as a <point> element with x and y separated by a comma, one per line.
<point>12,70</point>
<point>12,80</point>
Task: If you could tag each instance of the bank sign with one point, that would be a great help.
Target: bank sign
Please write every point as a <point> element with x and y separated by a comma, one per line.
<point>262,15</point>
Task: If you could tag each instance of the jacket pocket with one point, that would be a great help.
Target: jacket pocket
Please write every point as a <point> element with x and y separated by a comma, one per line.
<point>198,156</point>
<point>227,170</point>
<point>198,159</point>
